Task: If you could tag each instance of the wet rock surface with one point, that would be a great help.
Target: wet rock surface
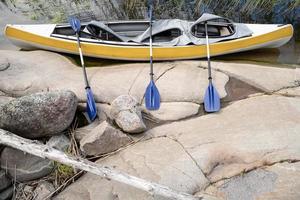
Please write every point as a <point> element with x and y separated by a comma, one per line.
<point>38,115</point>
<point>24,167</point>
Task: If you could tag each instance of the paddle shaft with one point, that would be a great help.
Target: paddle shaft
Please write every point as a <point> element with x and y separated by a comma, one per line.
<point>151,49</point>
<point>87,85</point>
<point>208,54</point>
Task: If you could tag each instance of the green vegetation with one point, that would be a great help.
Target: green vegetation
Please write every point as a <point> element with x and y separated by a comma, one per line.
<point>251,5</point>
<point>64,170</point>
<point>34,17</point>
<point>132,8</point>
<point>58,17</point>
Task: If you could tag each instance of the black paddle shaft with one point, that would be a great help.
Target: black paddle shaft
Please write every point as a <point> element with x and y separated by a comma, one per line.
<point>87,85</point>
<point>151,49</point>
<point>208,53</point>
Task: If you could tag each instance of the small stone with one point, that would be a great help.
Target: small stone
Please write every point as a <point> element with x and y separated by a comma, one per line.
<point>7,194</point>
<point>43,190</point>
<point>126,112</point>
<point>123,103</point>
<point>84,131</point>
<point>104,139</point>
<point>59,142</point>
<point>5,182</point>
<point>130,122</point>
<point>40,114</point>
<point>25,167</point>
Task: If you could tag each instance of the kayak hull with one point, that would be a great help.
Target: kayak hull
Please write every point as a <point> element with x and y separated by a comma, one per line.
<point>28,38</point>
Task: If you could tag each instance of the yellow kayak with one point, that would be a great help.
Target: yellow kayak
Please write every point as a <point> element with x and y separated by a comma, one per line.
<point>173,39</point>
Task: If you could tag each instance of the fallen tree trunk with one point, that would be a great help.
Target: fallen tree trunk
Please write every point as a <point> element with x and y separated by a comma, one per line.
<point>43,151</point>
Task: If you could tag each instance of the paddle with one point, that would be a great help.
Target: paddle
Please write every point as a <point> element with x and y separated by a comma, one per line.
<point>211,98</point>
<point>90,104</point>
<point>152,96</point>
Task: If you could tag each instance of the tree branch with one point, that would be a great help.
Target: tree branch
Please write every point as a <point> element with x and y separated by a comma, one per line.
<point>43,151</point>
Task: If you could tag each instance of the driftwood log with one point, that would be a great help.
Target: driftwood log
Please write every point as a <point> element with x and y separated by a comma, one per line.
<point>43,151</point>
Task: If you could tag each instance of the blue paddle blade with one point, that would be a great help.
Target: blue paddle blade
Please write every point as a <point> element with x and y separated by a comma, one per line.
<point>75,24</point>
<point>152,97</point>
<point>91,108</point>
<point>212,99</point>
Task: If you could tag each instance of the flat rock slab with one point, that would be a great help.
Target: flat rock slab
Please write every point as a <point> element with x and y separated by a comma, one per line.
<point>245,135</point>
<point>188,83</point>
<point>24,167</point>
<point>268,79</point>
<point>172,111</point>
<point>36,71</point>
<point>161,160</point>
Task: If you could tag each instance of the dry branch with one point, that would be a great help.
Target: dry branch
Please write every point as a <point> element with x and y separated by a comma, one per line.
<point>43,151</point>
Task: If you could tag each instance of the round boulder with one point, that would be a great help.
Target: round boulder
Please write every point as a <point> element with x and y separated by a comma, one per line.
<point>40,114</point>
<point>126,112</point>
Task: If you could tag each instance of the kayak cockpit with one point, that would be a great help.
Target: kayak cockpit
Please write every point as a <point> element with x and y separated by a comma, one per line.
<point>118,32</point>
<point>167,32</point>
<point>216,28</point>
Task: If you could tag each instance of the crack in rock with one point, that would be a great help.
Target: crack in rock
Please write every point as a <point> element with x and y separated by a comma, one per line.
<point>6,67</point>
<point>264,165</point>
<point>173,66</point>
<point>189,155</point>
<point>135,79</point>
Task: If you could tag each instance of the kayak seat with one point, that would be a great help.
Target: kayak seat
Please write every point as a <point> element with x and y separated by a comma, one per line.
<point>101,31</point>
<point>199,31</point>
<point>164,36</point>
